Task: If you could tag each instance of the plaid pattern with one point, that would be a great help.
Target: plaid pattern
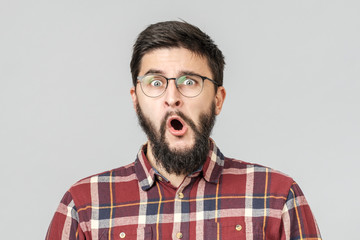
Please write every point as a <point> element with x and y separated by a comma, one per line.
<point>226,199</point>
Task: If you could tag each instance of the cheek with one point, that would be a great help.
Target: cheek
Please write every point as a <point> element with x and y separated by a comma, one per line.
<point>196,110</point>
<point>153,113</point>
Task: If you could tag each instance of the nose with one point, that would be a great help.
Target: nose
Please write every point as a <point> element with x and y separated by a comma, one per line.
<point>172,95</point>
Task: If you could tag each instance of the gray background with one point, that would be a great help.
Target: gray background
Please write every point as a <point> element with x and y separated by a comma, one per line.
<point>292,80</point>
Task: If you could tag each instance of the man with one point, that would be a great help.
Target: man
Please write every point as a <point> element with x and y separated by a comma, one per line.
<point>181,186</point>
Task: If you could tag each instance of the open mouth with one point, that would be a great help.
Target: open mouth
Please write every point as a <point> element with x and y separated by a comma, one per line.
<point>176,126</point>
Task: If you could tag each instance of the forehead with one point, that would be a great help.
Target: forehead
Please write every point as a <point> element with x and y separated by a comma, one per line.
<point>173,61</point>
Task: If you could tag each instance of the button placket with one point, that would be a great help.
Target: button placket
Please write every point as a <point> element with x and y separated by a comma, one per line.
<point>180,193</point>
<point>178,206</point>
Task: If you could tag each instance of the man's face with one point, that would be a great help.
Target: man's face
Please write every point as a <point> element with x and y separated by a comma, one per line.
<point>174,62</point>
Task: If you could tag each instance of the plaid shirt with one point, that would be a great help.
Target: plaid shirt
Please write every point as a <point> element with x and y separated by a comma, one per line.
<point>226,199</point>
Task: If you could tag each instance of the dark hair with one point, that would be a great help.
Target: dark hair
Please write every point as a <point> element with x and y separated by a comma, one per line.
<point>172,34</point>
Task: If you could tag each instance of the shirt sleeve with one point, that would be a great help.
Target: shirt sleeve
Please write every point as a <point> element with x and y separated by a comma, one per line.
<point>297,219</point>
<point>65,223</point>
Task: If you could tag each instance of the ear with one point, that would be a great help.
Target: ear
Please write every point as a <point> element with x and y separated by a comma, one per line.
<point>133,97</point>
<point>219,99</point>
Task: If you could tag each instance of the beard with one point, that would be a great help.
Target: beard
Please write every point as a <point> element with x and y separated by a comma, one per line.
<point>176,161</point>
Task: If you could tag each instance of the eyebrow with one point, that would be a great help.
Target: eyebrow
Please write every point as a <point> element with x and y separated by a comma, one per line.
<point>160,72</point>
<point>154,71</point>
<point>189,73</point>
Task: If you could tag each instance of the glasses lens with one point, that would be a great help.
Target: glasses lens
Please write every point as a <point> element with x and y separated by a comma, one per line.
<point>153,85</point>
<point>190,85</point>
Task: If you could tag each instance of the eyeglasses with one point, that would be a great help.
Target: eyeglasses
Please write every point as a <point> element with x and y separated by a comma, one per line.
<point>188,85</point>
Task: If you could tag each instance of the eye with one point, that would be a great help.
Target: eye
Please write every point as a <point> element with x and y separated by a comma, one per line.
<point>189,82</point>
<point>186,80</point>
<point>156,83</point>
<point>153,81</point>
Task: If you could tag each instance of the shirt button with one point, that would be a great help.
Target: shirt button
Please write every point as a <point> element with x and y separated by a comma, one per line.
<point>179,235</point>
<point>122,235</point>
<point>160,178</point>
<point>181,195</point>
<point>238,227</point>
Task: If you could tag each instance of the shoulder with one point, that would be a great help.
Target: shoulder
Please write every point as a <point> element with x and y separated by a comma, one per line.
<point>257,176</point>
<point>86,188</point>
<point>124,171</point>
<point>235,165</point>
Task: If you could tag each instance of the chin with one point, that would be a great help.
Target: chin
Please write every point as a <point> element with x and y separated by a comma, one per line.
<point>181,145</point>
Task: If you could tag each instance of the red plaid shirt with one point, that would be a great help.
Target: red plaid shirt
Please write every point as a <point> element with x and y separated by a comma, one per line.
<point>226,199</point>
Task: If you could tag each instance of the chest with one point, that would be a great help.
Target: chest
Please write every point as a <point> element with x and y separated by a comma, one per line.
<point>195,210</point>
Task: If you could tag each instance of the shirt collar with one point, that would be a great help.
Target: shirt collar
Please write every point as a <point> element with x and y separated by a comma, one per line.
<point>211,170</point>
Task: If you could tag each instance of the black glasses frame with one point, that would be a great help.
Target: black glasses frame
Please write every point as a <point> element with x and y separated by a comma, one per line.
<point>139,79</point>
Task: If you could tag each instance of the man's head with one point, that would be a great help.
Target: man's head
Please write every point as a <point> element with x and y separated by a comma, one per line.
<point>179,117</point>
<point>175,34</point>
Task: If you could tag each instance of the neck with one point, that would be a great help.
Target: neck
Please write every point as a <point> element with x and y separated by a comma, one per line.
<point>174,179</point>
